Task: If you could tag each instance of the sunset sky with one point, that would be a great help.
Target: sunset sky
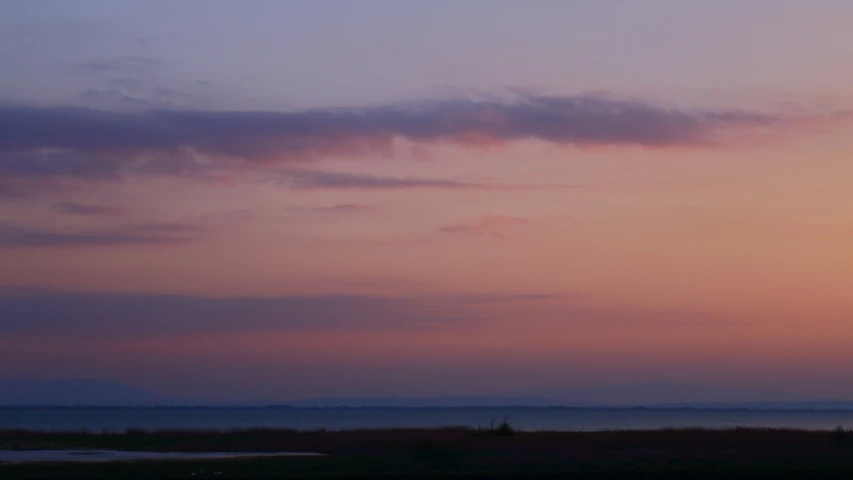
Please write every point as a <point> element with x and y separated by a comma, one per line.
<point>294,199</point>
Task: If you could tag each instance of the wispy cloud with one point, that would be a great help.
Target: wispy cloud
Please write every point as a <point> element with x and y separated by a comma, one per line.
<point>120,64</point>
<point>494,225</point>
<point>59,143</point>
<point>103,315</point>
<point>87,314</point>
<point>13,189</point>
<point>346,208</point>
<point>47,163</point>
<point>12,236</point>
<point>120,141</point>
<point>319,179</point>
<point>84,209</point>
<point>316,179</point>
<point>475,300</point>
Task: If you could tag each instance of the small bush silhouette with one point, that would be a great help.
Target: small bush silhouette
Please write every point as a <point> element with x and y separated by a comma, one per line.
<point>841,436</point>
<point>503,429</point>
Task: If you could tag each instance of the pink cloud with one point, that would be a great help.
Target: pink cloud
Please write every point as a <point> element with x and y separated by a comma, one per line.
<point>346,208</point>
<point>74,208</point>
<point>17,237</point>
<point>488,224</point>
<point>321,179</point>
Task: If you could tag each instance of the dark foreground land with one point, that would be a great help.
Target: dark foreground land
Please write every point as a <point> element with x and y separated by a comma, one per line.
<point>452,453</point>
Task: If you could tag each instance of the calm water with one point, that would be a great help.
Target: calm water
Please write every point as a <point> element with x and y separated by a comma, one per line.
<point>119,419</point>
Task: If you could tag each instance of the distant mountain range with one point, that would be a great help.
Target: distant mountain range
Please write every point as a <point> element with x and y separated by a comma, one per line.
<point>467,401</point>
<point>542,402</point>
<point>651,395</point>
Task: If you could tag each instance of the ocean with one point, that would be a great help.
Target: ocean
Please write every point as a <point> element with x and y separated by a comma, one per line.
<point>521,418</point>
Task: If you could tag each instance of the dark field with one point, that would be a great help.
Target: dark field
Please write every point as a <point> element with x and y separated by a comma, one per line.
<point>448,453</point>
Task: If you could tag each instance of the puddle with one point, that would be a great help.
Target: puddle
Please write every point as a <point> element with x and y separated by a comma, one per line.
<point>36,456</point>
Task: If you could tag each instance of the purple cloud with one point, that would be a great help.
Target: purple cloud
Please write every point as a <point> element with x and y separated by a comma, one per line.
<point>107,315</point>
<point>315,179</point>
<point>83,209</point>
<point>580,119</point>
<point>145,234</point>
<point>346,208</point>
<point>35,164</point>
<point>122,64</point>
<point>494,225</point>
<point>319,179</point>
<point>92,143</point>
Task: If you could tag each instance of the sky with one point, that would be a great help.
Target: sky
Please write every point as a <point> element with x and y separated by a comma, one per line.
<point>234,200</point>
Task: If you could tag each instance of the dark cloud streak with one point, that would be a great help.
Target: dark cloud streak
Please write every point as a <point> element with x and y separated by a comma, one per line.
<point>121,64</point>
<point>493,225</point>
<point>83,209</point>
<point>97,142</point>
<point>346,208</point>
<point>316,179</point>
<point>106,315</point>
<point>16,237</point>
<point>319,179</point>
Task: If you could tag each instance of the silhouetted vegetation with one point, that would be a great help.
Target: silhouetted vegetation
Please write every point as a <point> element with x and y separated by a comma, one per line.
<point>504,428</point>
<point>493,451</point>
<point>841,436</point>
